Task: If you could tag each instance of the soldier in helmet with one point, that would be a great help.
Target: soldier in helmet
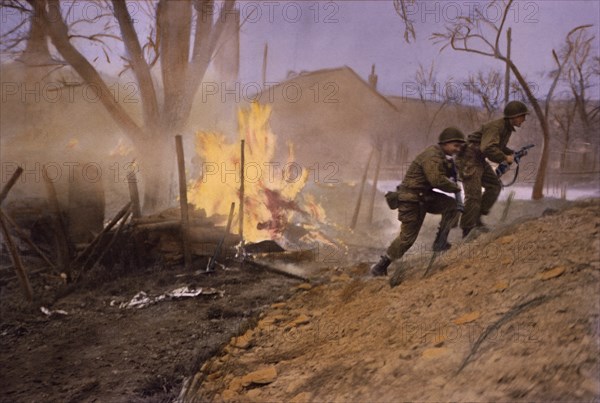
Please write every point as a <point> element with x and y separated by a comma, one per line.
<point>430,169</point>
<point>488,142</point>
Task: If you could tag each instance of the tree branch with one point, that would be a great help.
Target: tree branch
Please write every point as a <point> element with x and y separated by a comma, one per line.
<point>140,68</point>
<point>57,30</point>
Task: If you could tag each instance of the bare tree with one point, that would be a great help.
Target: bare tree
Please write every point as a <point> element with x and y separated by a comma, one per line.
<point>401,7</point>
<point>432,92</point>
<point>481,35</point>
<point>579,71</point>
<point>182,40</point>
<point>487,87</point>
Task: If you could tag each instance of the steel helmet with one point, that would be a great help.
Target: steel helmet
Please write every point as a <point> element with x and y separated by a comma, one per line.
<point>450,134</point>
<point>514,109</point>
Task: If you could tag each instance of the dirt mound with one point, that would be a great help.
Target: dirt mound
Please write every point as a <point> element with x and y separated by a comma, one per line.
<point>511,315</point>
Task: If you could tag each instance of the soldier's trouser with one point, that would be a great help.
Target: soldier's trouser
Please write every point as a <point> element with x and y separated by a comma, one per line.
<point>475,175</point>
<point>412,215</point>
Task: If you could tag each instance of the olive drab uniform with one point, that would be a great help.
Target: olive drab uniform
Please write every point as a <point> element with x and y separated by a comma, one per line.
<point>488,142</point>
<point>430,169</point>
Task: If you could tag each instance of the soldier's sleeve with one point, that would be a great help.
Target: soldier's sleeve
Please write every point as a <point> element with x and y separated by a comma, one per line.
<point>508,151</point>
<point>435,172</point>
<point>490,143</point>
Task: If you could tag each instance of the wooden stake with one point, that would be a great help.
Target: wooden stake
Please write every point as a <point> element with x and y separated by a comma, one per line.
<point>360,192</point>
<point>11,182</point>
<point>134,195</point>
<point>213,259</point>
<point>16,259</point>
<point>26,238</point>
<point>185,218</point>
<point>264,66</point>
<point>241,229</point>
<point>112,240</point>
<point>374,189</point>
<point>59,226</point>
<point>91,248</point>
<point>507,72</point>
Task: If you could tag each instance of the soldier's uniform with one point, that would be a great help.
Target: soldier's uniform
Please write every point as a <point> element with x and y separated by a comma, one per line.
<point>430,169</point>
<point>488,142</point>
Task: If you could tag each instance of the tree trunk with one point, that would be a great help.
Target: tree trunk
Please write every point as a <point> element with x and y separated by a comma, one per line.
<point>538,186</point>
<point>155,170</point>
<point>36,54</point>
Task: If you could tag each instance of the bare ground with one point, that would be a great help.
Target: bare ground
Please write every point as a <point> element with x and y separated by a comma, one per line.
<point>513,315</point>
<point>99,352</point>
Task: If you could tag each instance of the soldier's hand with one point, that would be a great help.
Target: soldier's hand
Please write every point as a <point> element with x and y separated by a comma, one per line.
<point>510,159</point>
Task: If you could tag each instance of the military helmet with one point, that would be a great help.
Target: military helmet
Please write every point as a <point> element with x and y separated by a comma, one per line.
<point>450,134</point>
<point>514,109</point>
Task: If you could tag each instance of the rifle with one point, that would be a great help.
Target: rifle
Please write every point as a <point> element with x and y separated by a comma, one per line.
<point>396,278</point>
<point>504,166</point>
<point>459,206</point>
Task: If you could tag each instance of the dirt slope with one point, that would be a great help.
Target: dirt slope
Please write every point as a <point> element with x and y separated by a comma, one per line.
<point>512,315</point>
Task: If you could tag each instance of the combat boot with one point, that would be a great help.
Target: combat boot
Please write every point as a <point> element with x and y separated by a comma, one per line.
<point>441,241</point>
<point>440,246</point>
<point>380,268</point>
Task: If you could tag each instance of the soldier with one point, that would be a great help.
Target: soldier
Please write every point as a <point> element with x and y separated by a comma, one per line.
<point>488,142</point>
<point>430,169</point>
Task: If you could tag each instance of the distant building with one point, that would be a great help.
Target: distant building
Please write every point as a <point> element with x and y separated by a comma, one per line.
<point>331,116</point>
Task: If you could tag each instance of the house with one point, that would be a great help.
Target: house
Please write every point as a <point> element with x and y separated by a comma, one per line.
<point>333,118</point>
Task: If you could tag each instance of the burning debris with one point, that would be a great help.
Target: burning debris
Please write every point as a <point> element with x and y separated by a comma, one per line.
<point>278,222</point>
<point>275,206</point>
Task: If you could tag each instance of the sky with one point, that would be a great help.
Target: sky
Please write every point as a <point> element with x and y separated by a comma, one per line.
<point>310,35</point>
<point>361,33</point>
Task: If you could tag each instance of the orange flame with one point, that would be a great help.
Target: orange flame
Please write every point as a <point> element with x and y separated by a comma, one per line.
<point>272,190</point>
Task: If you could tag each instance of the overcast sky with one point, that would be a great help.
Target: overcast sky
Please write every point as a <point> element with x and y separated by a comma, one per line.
<point>320,34</point>
<point>310,35</point>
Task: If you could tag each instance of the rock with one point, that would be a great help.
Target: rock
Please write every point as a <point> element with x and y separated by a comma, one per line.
<point>300,320</point>
<point>506,239</point>
<point>500,286</point>
<point>214,376</point>
<point>434,352</point>
<point>342,278</point>
<point>260,377</point>
<point>253,394</point>
<point>278,305</point>
<point>304,286</point>
<point>244,340</point>
<point>467,318</point>
<point>547,275</point>
<point>236,385</point>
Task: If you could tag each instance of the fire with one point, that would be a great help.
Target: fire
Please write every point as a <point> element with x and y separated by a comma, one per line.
<point>272,189</point>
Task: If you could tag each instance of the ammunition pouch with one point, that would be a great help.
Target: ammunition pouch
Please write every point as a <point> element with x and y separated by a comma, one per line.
<point>392,200</point>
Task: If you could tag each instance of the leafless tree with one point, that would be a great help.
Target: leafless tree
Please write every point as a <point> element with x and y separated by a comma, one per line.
<point>401,7</point>
<point>487,88</point>
<point>481,35</point>
<point>579,71</point>
<point>181,40</point>
<point>431,92</point>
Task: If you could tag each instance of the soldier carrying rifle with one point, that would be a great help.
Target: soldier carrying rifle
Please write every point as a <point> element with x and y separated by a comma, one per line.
<point>415,197</point>
<point>488,142</point>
